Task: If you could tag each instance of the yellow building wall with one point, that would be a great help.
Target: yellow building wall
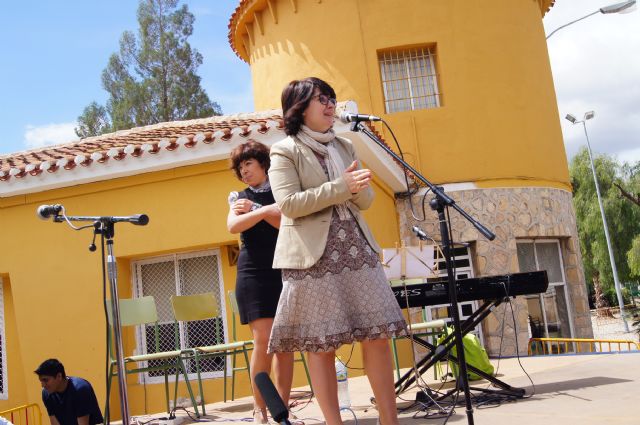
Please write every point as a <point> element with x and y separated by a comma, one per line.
<point>53,288</point>
<point>15,379</point>
<point>498,125</point>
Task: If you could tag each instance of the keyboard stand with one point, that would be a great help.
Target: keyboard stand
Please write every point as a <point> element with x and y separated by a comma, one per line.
<point>443,351</point>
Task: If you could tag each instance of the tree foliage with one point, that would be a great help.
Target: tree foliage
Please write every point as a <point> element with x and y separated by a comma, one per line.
<point>93,121</point>
<point>623,219</point>
<point>630,190</point>
<point>153,76</point>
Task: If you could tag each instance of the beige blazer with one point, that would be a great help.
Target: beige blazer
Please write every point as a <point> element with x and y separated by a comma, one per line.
<point>305,197</point>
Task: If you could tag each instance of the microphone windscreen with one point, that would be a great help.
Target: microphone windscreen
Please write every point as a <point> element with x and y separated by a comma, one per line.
<point>46,211</point>
<point>274,402</point>
<point>141,220</point>
<point>345,117</point>
<point>41,212</point>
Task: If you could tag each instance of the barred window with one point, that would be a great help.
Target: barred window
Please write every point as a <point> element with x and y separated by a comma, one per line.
<point>409,79</point>
<point>4,387</point>
<point>182,274</point>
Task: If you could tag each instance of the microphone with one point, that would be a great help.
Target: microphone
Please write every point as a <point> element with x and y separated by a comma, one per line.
<point>276,406</point>
<point>46,211</point>
<point>420,233</point>
<point>138,219</point>
<point>347,117</point>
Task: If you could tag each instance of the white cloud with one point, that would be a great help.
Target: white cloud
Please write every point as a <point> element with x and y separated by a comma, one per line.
<point>631,156</point>
<point>595,67</point>
<point>50,134</point>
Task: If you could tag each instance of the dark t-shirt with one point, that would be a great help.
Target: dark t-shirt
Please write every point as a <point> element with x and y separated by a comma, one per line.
<point>77,400</point>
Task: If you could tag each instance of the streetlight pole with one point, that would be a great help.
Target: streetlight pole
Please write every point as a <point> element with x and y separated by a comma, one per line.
<point>624,7</point>
<point>573,120</point>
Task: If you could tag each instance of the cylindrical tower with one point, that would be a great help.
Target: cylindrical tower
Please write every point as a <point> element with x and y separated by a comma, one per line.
<point>467,88</point>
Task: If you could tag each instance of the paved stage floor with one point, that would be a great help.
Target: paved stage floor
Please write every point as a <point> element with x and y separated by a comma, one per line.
<point>573,389</point>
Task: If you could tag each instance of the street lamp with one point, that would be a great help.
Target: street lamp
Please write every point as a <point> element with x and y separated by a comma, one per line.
<point>574,120</point>
<point>624,7</point>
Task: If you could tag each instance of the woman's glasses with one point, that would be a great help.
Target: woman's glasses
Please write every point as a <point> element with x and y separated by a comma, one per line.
<point>325,100</point>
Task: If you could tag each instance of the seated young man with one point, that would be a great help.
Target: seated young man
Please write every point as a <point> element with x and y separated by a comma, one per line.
<point>69,400</point>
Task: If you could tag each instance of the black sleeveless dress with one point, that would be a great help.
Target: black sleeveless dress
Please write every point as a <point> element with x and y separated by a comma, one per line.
<point>258,285</point>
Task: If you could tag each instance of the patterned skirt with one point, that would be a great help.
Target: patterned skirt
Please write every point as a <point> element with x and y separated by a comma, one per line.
<point>344,297</point>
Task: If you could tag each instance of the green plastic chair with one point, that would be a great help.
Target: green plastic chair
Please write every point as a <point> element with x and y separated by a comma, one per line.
<point>432,328</point>
<point>188,308</point>
<point>235,312</point>
<point>142,312</point>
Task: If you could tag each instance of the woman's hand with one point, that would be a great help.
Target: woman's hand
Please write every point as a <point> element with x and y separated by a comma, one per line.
<point>242,218</point>
<point>357,180</point>
<point>241,206</point>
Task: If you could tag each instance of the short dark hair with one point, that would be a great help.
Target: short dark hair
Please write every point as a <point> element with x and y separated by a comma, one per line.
<point>50,367</point>
<point>250,150</point>
<point>295,99</point>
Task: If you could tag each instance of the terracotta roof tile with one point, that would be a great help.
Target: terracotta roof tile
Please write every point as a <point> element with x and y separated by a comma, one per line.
<point>135,142</point>
<point>151,148</point>
<point>232,24</point>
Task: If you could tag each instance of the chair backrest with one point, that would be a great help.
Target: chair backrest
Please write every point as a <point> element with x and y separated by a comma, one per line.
<point>400,282</point>
<point>138,311</point>
<point>194,307</point>
<point>133,312</point>
<point>233,302</point>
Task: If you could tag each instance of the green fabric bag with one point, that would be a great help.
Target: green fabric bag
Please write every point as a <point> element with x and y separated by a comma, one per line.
<point>475,355</point>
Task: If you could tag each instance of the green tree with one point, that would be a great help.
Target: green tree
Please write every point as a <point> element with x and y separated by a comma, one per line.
<point>623,219</point>
<point>153,77</point>
<point>94,120</point>
<point>629,189</point>
<point>634,257</point>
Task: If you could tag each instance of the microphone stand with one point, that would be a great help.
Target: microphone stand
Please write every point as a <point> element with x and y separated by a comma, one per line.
<point>105,227</point>
<point>439,203</point>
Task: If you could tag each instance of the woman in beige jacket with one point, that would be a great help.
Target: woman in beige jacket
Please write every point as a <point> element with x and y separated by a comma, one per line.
<point>334,289</point>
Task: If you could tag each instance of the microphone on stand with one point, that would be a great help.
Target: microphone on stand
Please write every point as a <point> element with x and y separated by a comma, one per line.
<point>138,219</point>
<point>347,117</point>
<point>274,402</point>
<point>46,211</point>
<point>419,233</point>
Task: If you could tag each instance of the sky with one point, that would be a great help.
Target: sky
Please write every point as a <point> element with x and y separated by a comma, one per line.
<point>596,67</point>
<point>54,52</point>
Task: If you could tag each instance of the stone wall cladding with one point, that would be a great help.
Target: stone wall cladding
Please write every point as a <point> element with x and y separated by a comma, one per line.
<point>511,213</point>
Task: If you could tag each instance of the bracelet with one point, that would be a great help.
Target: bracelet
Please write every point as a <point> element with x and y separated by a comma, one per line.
<point>255,206</point>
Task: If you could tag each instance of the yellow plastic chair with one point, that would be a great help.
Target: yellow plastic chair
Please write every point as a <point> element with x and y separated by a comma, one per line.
<point>142,312</point>
<point>432,328</point>
<point>249,343</point>
<point>188,308</point>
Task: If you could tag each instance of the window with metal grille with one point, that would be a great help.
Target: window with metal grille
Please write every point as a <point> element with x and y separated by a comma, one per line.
<point>409,79</point>
<point>4,388</point>
<point>182,274</point>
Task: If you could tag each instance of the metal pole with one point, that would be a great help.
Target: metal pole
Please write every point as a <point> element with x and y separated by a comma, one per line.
<point>572,22</point>
<point>612,8</point>
<point>606,233</point>
<point>117,331</point>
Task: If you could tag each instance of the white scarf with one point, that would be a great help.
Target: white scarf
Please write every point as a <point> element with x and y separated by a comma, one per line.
<point>324,145</point>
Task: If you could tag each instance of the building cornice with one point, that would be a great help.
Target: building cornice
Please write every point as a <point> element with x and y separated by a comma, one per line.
<point>246,19</point>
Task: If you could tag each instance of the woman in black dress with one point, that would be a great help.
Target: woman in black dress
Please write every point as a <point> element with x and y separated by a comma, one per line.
<point>254,214</point>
